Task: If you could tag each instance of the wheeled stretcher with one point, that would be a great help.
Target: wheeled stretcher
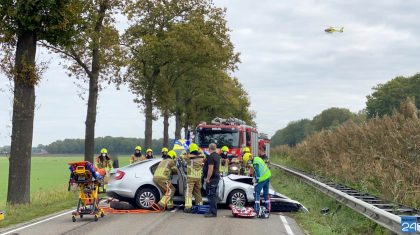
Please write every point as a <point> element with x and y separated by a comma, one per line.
<point>88,182</point>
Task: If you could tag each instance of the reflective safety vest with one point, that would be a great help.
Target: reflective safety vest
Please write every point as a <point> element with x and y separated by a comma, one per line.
<point>261,168</point>
<point>164,168</point>
<point>195,166</point>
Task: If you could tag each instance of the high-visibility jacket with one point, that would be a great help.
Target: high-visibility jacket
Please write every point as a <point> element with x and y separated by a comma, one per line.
<point>104,162</point>
<point>165,168</point>
<point>262,172</point>
<point>224,168</point>
<point>134,159</point>
<point>194,165</point>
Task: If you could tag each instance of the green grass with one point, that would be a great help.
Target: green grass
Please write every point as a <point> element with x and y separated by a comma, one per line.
<point>49,181</point>
<point>344,221</point>
<point>47,172</point>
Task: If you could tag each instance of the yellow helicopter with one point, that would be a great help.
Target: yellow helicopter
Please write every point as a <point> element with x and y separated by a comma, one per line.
<point>334,30</point>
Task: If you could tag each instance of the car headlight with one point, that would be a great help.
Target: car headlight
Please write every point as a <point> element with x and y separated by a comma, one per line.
<point>234,168</point>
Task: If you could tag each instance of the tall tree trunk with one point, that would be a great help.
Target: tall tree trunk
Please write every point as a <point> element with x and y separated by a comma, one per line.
<point>148,112</point>
<point>94,86</point>
<point>23,120</point>
<point>165,128</point>
<point>91,117</point>
<point>178,125</point>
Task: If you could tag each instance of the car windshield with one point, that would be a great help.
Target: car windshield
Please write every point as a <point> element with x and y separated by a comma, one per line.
<point>219,136</point>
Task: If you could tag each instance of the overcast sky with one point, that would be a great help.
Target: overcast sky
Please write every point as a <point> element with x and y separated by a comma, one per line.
<point>290,67</point>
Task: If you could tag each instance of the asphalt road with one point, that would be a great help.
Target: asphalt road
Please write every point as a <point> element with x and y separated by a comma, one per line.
<point>175,222</point>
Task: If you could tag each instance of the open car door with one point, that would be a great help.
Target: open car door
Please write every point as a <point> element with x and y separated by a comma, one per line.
<point>221,189</point>
<point>181,180</point>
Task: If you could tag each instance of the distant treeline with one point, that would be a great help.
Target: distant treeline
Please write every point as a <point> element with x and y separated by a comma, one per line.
<point>115,145</point>
<point>296,131</point>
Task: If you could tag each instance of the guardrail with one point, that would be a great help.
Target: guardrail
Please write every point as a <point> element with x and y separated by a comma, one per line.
<point>383,213</point>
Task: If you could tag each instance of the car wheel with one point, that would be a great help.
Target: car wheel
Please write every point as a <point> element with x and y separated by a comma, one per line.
<point>146,197</point>
<point>237,197</point>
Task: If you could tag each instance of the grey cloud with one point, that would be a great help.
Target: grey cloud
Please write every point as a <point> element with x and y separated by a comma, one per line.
<point>290,67</point>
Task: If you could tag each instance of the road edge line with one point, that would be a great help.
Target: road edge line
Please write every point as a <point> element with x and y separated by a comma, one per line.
<point>30,224</point>
<point>286,225</point>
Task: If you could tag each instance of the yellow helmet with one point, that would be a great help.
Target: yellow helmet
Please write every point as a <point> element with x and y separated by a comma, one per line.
<point>246,150</point>
<point>104,150</point>
<point>138,148</point>
<point>164,149</point>
<point>172,154</point>
<point>246,157</point>
<point>193,147</point>
<point>149,150</point>
<point>225,149</point>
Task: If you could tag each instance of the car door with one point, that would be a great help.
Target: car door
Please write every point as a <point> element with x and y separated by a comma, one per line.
<point>221,189</point>
<point>181,179</point>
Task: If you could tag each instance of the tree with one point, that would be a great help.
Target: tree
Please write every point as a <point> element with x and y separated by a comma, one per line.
<point>96,56</point>
<point>388,97</point>
<point>201,65</point>
<point>23,23</point>
<point>329,118</point>
<point>292,134</point>
<point>152,47</point>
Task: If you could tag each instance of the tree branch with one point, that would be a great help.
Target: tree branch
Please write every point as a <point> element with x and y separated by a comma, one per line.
<point>72,54</point>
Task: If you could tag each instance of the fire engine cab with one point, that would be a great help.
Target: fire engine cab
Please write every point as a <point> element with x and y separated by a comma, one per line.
<point>231,132</point>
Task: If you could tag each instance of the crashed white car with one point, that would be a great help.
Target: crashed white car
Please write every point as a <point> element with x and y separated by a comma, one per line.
<point>134,183</point>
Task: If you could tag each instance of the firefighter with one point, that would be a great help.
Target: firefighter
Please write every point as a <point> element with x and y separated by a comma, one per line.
<point>247,164</point>
<point>194,161</point>
<point>246,152</point>
<point>262,178</point>
<point>164,152</point>
<point>162,178</point>
<point>149,154</point>
<point>137,156</point>
<point>224,161</point>
<point>103,161</point>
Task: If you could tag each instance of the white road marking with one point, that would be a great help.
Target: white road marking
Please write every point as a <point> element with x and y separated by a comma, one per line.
<point>35,223</point>
<point>286,225</point>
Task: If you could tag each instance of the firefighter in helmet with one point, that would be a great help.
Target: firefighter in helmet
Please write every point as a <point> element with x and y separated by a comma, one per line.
<point>103,161</point>
<point>149,154</point>
<point>137,156</point>
<point>164,152</point>
<point>162,178</point>
<point>224,161</point>
<point>194,161</point>
<point>245,166</point>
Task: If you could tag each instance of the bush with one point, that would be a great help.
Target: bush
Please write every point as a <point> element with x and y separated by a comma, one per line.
<point>381,156</point>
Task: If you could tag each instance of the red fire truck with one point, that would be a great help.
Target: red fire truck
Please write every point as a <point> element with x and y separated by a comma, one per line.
<point>231,132</point>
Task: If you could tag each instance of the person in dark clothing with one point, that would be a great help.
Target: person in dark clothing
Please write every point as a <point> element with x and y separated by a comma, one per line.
<point>211,177</point>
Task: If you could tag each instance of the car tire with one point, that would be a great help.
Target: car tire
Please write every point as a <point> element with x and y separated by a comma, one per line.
<point>120,205</point>
<point>146,197</point>
<point>237,197</point>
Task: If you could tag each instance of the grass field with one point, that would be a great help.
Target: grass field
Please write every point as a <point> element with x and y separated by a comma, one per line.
<point>49,181</point>
<point>48,172</point>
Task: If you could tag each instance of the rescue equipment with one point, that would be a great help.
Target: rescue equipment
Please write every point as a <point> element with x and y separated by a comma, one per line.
<point>88,181</point>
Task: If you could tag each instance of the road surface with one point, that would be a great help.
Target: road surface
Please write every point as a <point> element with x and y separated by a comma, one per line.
<point>175,222</point>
